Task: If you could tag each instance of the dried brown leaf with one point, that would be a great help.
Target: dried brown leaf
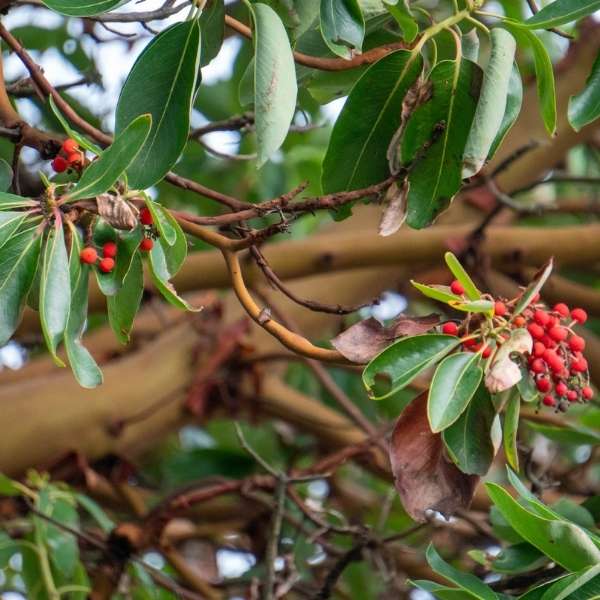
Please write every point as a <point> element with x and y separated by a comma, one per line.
<point>394,208</point>
<point>117,212</point>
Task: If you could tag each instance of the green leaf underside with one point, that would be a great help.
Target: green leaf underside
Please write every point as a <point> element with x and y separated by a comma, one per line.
<point>468,439</point>
<point>440,293</point>
<point>124,305</point>
<point>465,581</point>
<point>79,8</point>
<point>405,359</point>
<point>561,12</point>
<point>462,276</point>
<point>10,201</point>
<point>82,363</point>
<point>435,137</point>
<point>510,429</point>
<point>585,106</point>
<point>162,220</point>
<point>563,542</point>
<point>275,87</point>
<point>161,83</point>
<point>356,156</point>
<point>104,172</point>
<point>533,288</point>
<point>453,385</point>
<point>342,26</point>
<point>18,263</point>
<point>55,290</point>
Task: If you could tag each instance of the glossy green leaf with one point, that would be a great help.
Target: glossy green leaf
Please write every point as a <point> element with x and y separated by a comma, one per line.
<point>212,30</point>
<point>533,288</point>
<point>465,581</point>
<point>564,543</point>
<point>400,10</point>
<point>518,558</point>
<point>585,106</point>
<point>9,223</point>
<point>163,221</point>
<point>82,363</point>
<point>533,502</point>
<point>468,439</point>
<point>453,385</point>
<point>514,101</point>
<point>275,87</point>
<point>405,359</point>
<point>18,264</point>
<point>10,201</point>
<point>462,276</point>
<point>161,83</point>
<point>6,175</point>
<point>55,290</point>
<point>526,386</point>
<point>105,171</point>
<point>510,429</point>
<point>561,12</point>
<point>83,8</point>
<point>342,26</point>
<point>571,511</point>
<point>491,106</point>
<point>435,137</point>
<point>584,585</point>
<point>124,305</point>
<point>441,293</point>
<point>72,133</point>
<point>477,306</point>
<point>356,156</point>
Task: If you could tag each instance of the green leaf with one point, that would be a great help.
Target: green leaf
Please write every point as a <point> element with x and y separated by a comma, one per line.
<point>462,276</point>
<point>275,87</point>
<point>83,8</point>
<point>491,106</point>
<point>212,28</point>
<point>405,359</point>
<point>400,10</point>
<point>560,12</point>
<point>435,137</point>
<point>534,287</point>
<point>563,542</point>
<point>468,439</point>
<point>514,100</point>
<point>7,486</point>
<point>95,511</point>
<point>55,290</point>
<point>104,172</point>
<point>10,201</point>
<point>441,293</point>
<point>465,581</point>
<point>9,223</point>
<point>526,386</point>
<point>342,26</point>
<point>511,426</point>
<point>80,139</point>
<point>443,592</point>
<point>124,305</point>
<point>544,75</point>
<point>453,385</point>
<point>477,306</point>
<point>583,585</point>
<point>585,106</point>
<point>356,156</point>
<point>571,511</point>
<point>82,363</point>
<point>161,83</point>
<point>518,558</point>
<point>6,175</point>
<point>568,435</point>
<point>163,220</point>
<point>18,264</point>
<point>469,43</point>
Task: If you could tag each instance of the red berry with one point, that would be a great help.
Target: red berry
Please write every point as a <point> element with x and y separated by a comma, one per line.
<point>558,334</point>
<point>487,351</point>
<point>109,250</point>
<point>579,315</point>
<point>562,309</point>
<point>538,349</point>
<point>588,392</point>
<point>145,216</point>
<point>70,146</point>
<point>541,317</point>
<point>543,385</point>
<point>106,265</point>
<point>536,331</point>
<point>548,342</point>
<point>88,255</point>
<point>561,388</point>
<point>552,322</point>
<point>448,328</point>
<point>500,309</point>
<point>457,288</point>
<point>74,158</point>
<point>59,164</point>
<point>549,401</point>
<point>579,365</point>
<point>537,366</point>
<point>577,343</point>
<point>571,395</point>
<point>146,245</point>
<point>519,321</point>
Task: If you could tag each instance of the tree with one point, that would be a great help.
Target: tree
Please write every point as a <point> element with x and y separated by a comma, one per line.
<point>239,392</point>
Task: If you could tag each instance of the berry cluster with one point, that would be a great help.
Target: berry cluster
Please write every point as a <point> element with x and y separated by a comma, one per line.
<point>556,363</point>
<point>146,219</point>
<point>69,157</point>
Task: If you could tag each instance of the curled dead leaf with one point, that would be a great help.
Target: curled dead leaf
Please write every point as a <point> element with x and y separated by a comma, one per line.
<point>117,212</point>
<point>394,208</point>
<point>503,375</point>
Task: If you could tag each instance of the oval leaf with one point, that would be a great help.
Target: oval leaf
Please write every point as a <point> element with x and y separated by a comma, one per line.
<point>162,84</point>
<point>534,287</point>
<point>461,275</point>
<point>83,8</point>
<point>124,305</point>
<point>342,26</point>
<point>510,429</point>
<point>560,12</point>
<point>441,293</point>
<point>9,223</point>
<point>585,106</point>
<point>453,385</point>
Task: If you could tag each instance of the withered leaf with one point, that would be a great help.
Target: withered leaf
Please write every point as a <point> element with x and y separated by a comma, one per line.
<point>364,340</point>
<point>425,477</point>
<point>117,212</point>
<point>394,209</point>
